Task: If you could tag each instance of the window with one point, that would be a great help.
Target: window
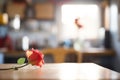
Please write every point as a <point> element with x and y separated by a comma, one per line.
<point>89,15</point>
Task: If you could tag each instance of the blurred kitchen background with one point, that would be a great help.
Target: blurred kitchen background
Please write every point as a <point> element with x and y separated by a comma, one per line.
<point>82,25</point>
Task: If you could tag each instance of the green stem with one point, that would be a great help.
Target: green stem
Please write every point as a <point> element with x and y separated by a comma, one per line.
<point>15,68</point>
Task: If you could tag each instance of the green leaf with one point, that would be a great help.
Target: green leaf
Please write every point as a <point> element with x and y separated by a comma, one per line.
<point>21,61</point>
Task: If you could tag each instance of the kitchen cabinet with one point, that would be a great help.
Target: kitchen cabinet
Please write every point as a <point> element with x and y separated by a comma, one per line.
<point>44,11</point>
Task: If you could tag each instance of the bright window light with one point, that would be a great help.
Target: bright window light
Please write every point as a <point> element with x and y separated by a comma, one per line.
<point>16,22</point>
<point>89,17</point>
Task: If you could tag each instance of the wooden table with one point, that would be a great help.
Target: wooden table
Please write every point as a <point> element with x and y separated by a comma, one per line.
<point>60,71</point>
<point>98,52</point>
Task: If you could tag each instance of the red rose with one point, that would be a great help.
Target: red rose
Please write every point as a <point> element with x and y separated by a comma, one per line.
<point>35,57</point>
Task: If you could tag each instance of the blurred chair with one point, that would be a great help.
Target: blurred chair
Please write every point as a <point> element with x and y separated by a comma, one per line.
<point>48,58</point>
<point>61,55</point>
<point>71,57</point>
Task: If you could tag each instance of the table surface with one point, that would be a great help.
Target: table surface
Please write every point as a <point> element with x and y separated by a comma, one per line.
<point>59,71</point>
